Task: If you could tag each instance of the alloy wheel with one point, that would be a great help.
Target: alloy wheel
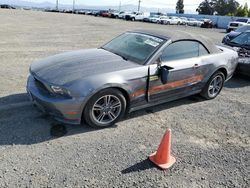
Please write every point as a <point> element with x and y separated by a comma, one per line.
<point>215,86</point>
<point>106,109</point>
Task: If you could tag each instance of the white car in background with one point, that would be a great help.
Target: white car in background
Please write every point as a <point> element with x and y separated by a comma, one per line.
<point>184,20</point>
<point>238,23</point>
<point>141,15</point>
<point>193,22</point>
<point>122,14</point>
<point>163,19</point>
<point>154,18</point>
<point>176,20</point>
<point>200,22</point>
<point>173,20</point>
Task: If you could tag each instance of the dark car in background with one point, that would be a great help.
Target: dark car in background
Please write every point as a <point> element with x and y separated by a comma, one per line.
<point>207,23</point>
<point>100,12</point>
<point>235,33</point>
<point>7,6</point>
<point>241,44</point>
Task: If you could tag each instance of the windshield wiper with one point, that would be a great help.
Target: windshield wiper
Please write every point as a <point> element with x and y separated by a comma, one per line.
<point>123,57</point>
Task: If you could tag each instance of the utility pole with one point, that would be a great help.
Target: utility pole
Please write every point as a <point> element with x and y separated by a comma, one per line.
<point>120,6</point>
<point>56,4</point>
<point>139,4</point>
<point>73,7</point>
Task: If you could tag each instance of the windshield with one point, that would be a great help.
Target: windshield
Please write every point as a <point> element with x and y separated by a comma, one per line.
<point>243,28</point>
<point>242,40</point>
<point>241,20</point>
<point>134,46</point>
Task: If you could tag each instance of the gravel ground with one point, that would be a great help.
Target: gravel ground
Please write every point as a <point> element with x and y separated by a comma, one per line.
<point>211,139</point>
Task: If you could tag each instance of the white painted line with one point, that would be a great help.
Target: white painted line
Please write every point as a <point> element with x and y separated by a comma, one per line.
<point>15,105</point>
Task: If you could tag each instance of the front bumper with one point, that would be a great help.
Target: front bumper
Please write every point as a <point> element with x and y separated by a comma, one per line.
<point>66,110</point>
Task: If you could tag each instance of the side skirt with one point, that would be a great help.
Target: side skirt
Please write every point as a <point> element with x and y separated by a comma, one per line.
<point>162,101</point>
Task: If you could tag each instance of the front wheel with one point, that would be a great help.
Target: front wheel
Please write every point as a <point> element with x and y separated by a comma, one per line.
<point>105,108</point>
<point>213,86</point>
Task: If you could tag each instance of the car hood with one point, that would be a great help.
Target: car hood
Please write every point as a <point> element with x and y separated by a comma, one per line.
<point>233,34</point>
<point>70,66</point>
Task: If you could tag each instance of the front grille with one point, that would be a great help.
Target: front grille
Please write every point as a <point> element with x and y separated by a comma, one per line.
<point>234,24</point>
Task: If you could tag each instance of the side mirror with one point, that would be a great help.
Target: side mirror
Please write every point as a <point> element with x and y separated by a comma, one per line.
<point>163,72</point>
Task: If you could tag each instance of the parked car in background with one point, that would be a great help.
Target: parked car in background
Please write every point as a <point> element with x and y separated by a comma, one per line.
<point>106,14</point>
<point>80,12</point>
<point>163,19</point>
<point>114,14</point>
<point>172,20</point>
<point>5,6</point>
<point>141,15</point>
<point>243,67</point>
<point>137,69</point>
<point>207,23</point>
<point>241,44</point>
<point>235,33</point>
<point>122,14</point>
<point>100,12</point>
<point>184,20</point>
<point>238,23</point>
<point>130,16</point>
<point>154,19</point>
<point>192,22</point>
<point>200,22</point>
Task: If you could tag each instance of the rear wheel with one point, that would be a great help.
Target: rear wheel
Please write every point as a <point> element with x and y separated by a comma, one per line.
<point>105,108</point>
<point>213,86</point>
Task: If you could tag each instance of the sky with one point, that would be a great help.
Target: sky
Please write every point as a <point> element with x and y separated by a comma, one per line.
<point>188,4</point>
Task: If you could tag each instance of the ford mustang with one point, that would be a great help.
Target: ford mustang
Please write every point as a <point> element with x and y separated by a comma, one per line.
<point>135,70</point>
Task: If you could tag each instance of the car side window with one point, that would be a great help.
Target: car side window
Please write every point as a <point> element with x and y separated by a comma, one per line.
<point>183,50</point>
<point>202,50</point>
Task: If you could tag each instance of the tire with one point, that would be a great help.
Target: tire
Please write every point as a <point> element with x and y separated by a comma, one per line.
<point>132,19</point>
<point>168,23</point>
<point>104,114</point>
<point>214,86</point>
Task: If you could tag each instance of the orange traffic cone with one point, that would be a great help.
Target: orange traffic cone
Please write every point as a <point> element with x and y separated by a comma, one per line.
<point>162,157</point>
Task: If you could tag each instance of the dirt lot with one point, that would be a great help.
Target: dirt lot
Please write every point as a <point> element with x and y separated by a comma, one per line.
<point>211,139</point>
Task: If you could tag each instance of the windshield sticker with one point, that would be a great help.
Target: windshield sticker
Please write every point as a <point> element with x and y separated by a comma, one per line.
<point>151,43</point>
<point>157,39</point>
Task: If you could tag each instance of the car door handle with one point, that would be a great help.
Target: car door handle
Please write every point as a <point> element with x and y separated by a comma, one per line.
<point>196,66</point>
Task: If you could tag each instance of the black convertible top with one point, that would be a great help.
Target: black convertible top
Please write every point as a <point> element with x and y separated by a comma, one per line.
<point>182,35</point>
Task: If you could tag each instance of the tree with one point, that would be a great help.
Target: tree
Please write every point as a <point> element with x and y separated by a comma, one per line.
<point>246,6</point>
<point>206,7</point>
<point>241,11</point>
<point>180,7</point>
<point>249,13</point>
<point>225,7</point>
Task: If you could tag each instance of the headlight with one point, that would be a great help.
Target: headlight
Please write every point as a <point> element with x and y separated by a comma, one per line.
<point>236,49</point>
<point>60,91</point>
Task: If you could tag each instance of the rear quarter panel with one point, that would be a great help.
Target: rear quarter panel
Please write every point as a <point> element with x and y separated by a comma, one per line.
<point>226,59</point>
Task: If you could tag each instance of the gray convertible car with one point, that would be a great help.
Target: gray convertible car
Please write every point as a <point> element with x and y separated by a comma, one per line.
<point>135,70</point>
